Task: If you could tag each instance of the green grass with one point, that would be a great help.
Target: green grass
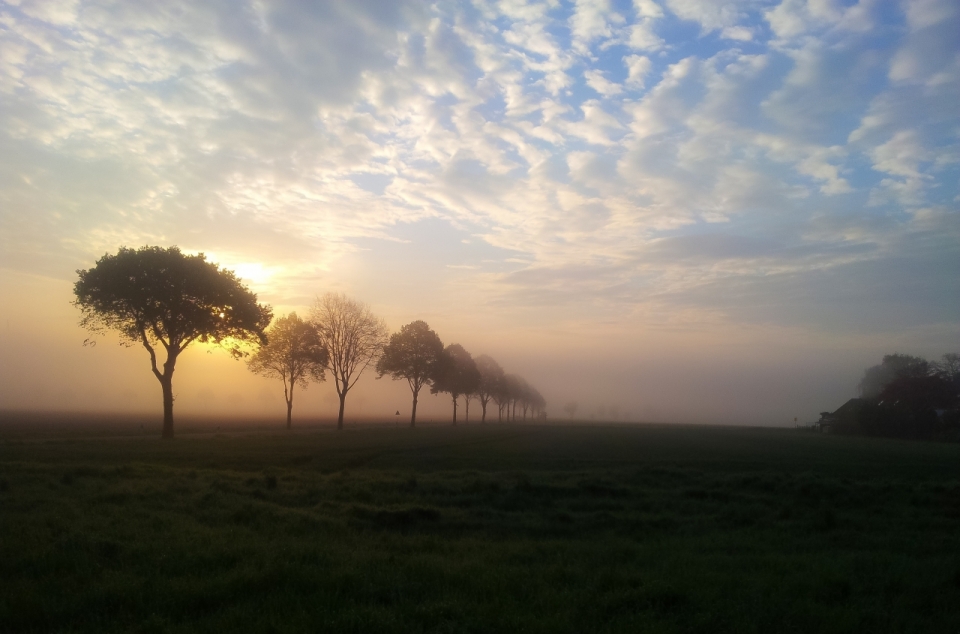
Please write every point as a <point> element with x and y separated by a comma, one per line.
<point>492,529</point>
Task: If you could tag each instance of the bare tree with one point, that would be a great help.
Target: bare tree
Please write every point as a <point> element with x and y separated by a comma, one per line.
<point>293,354</point>
<point>949,366</point>
<point>352,335</point>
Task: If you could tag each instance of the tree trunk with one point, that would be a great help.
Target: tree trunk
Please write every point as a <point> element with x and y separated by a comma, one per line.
<point>343,398</point>
<point>483,412</point>
<point>466,411</point>
<point>289,411</point>
<point>413,413</point>
<point>454,411</point>
<point>166,384</point>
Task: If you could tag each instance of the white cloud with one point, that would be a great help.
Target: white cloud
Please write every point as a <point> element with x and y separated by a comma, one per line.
<point>638,67</point>
<point>592,19</point>
<point>647,9</point>
<point>643,38</point>
<point>712,15</point>
<point>325,129</point>
<point>794,18</point>
<point>601,84</point>
<point>740,33</point>
<point>925,13</point>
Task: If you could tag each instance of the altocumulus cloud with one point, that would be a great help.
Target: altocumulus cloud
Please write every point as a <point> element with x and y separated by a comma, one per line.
<point>757,161</point>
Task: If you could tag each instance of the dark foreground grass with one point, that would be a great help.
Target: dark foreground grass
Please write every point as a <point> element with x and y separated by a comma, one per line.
<point>493,529</point>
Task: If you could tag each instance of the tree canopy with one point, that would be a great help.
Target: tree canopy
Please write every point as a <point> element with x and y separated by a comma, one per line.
<point>161,297</point>
<point>456,374</point>
<point>413,354</point>
<point>491,379</point>
<point>294,354</point>
<point>906,396</point>
<point>893,366</point>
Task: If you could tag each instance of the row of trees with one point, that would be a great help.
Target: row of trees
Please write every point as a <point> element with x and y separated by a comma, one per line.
<point>164,300</point>
<point>417,355</point>
<point>907,396</point>
<point>343,337</point>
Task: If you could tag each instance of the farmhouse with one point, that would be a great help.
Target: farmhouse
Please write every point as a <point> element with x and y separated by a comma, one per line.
<point>847,415</point>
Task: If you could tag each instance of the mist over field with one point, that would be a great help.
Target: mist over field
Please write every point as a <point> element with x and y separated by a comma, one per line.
<point>671,211</point>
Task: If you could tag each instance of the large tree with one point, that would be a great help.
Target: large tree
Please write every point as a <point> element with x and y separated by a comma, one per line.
<point>456,374</point>
<point>162,298</point>
<point>294,354</point>
<point>413,354</point>
<point>491,376</point>
<point>892,367</point>
<point>353,337</point>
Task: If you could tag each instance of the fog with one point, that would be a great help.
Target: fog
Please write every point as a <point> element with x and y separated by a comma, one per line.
<point>755,377</point>
<point>660,209</point>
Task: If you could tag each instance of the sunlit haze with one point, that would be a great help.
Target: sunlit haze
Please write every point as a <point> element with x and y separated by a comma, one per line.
<point>675,210</point>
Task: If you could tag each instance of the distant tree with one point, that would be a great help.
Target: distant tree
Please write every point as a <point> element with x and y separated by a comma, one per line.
<point>571,408</point>
<point>892,367</point>
<point>538,404</point>
<point>513,391</point>
<point>906,396</point>
<point>293,354</point>
<point>413,354</point>
<point>908,407</point>
<point>491,375</point>
<point>456,374</point>
<point>159,297</point>
<point>949,367</point>
<point>501,396</point>
<point>353,338</point>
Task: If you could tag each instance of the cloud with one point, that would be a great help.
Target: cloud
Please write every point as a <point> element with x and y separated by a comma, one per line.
<point>601,84</point>
<point>294,135</point>
<point>710,14</point>
<point>592,20</point>
<point>638,67</point>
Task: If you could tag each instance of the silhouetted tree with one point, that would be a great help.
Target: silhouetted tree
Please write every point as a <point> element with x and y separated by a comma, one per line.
<point>511,387</point>
<point>491,375</point>
<point>502,396</point>
<point>949,368</point>
<point>905,396</point>
<point>571,408</point>
<point>293,354</point>
<point>892,367</point>
<point>412,354</point>
<point>907,407</point>
<point>456,374</point>
<point>161,297</point>
<point>353,338</point>
<point>538,404</point>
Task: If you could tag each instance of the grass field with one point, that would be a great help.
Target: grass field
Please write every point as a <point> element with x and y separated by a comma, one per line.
<point>480,529</point>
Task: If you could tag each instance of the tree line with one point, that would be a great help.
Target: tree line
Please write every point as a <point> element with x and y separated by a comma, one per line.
<point>906,396</point>
<point>164,300</point>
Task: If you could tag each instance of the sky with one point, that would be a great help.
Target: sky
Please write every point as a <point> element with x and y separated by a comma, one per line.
<point>686,210</point>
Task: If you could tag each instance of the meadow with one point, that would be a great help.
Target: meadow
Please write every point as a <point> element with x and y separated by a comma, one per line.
<point>494,528</point>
